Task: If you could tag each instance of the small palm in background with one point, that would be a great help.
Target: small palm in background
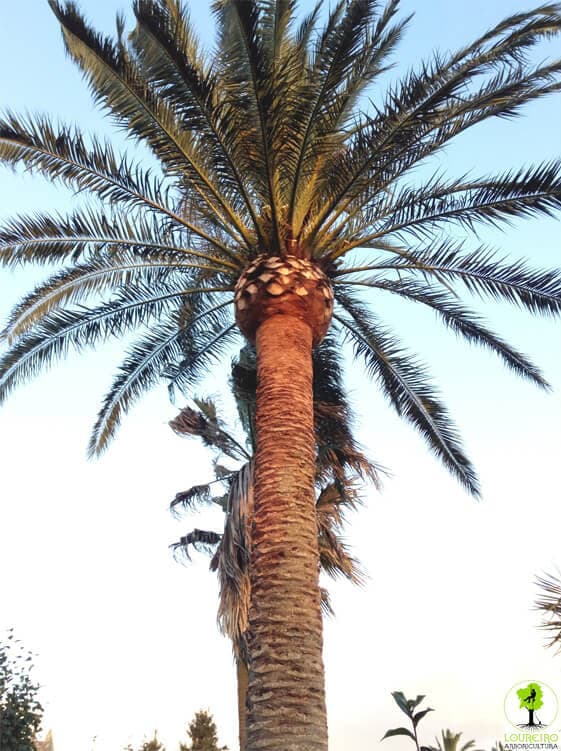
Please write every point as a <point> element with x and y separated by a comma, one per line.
<point>450,742</point>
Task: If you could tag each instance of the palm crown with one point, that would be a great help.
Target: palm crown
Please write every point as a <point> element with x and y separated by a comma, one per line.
<point>263,152</point>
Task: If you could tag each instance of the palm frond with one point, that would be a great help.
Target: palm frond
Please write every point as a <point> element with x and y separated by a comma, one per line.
<point>417,211</point>
<point>117,84</point>
<point>169,54</point>
<point>200,540</point>
<point>62,330</point>
<point>484,272</point>
<point>51,238</point>
<point>352,55</point>
<point>243,383</point>
<point>232,560</point>
<point>430,107</point>
<point>192,498</point>
<point>160,353</point>
<point>462,321</point>
<point>204,424</point>
<point>548,603</point>
<point>337,452</point>
<point>335,559</point>
<point>84,282</point>
<point>407,386</point>
<point>61,154</point>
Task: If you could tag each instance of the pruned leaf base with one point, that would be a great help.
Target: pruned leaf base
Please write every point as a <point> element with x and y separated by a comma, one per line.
<point>292,286</point>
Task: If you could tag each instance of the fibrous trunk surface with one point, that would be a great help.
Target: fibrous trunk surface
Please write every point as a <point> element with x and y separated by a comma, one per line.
<point>286,701</point>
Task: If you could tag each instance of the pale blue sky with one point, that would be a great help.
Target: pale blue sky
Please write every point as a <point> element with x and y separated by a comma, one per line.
<point>126,638</point>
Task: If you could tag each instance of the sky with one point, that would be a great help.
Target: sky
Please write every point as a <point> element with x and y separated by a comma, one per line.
<point>125,638</point>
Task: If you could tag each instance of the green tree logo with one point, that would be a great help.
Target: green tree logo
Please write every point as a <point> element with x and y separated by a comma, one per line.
<point>531,699</point>
<point>531,704</point>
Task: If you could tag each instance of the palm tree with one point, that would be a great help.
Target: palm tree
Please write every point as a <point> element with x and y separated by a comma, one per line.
<point>277,198</point>
<point>339,464</point>
<point>450,742</point>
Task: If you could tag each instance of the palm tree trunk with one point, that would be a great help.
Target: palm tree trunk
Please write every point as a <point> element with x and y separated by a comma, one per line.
<point>242,676</point>
<point>286,695</point>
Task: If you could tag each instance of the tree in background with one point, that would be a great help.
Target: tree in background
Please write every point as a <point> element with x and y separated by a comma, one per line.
<point>202,734</point>
<point>47,744</point>
<point>153,744</point>
<point>293,194</point>
<point>20,711</point>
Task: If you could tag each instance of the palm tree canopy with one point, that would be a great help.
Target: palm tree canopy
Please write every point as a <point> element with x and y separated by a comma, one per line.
<point>267,148</point>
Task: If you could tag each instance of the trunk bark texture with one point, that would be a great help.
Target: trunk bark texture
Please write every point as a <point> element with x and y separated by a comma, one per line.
<point>286,697</point>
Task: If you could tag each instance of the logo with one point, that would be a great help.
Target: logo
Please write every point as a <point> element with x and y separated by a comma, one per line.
<point>531,706</point>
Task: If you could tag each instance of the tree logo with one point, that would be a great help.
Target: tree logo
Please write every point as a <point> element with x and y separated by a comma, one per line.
<point>531,705</point>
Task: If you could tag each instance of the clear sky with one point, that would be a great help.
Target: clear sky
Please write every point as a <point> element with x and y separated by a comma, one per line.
<point>126,638</point>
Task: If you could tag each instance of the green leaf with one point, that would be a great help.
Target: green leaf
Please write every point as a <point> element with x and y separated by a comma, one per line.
<point>419,716</point>
<point>402,702</point>
<point>398,731</point>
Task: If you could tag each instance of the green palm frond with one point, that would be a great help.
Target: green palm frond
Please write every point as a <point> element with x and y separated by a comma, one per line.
<point>406,384</point>
<point>118,85</point>
<point>462,321</point>
<point>61,154</point>
<point>246,68</point>
<point>64,330</point>
<point>436,104</point>
<point>85,282</point>
<point>350,57</point>
<point>419,210</point>
<point>48,238</point>
<point>337,451</point>
<point>483,272</point>
<point>172,350</point>
<point>170,57</point>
